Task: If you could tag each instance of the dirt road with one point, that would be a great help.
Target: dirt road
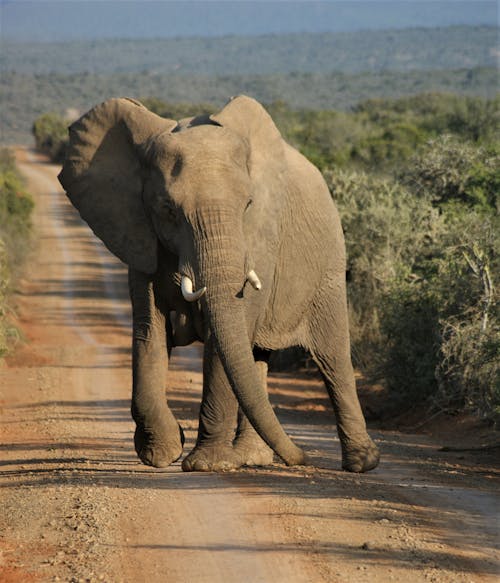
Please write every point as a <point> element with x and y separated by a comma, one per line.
<point>77,506</point>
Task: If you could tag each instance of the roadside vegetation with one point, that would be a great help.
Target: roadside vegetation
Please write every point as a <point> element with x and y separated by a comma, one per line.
<point>15,232</point>
<point>417,182</point>
<point>50,131</point>
<point>423,248</point>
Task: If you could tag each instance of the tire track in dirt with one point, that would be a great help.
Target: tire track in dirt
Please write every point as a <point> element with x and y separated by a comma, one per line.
<point>77,505</point>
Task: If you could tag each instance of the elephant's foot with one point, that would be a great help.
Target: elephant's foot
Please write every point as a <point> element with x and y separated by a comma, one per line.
<point>222,458</point>
<point>214,457</point>
<point>360,459</point>
<point>158,449</point>
<point>253,451</point>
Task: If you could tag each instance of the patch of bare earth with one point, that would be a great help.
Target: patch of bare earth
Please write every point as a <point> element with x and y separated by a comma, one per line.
<point>77,505</point>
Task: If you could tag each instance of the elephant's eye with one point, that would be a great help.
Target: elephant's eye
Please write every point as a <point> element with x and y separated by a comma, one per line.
<point>169,209</point>
<point>249,203</point>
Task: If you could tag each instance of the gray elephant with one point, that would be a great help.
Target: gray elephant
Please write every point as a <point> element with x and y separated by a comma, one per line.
<point>232,238</point>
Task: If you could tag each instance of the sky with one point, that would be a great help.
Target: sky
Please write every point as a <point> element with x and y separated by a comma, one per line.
<point>44,20</point>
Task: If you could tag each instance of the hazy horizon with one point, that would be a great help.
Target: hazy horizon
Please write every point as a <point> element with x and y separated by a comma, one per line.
<point>49,20</point>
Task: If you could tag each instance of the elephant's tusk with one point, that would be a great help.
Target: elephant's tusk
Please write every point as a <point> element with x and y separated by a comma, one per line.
<point>253,278</point>
<point>187,290</point>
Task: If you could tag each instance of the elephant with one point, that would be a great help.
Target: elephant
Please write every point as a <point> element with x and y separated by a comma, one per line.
<point>231,237</point>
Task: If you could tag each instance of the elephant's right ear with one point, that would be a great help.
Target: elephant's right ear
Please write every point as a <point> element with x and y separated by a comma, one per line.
<point>102,176</point>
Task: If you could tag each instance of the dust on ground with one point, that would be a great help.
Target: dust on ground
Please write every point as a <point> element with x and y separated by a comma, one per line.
<point>78,506</point>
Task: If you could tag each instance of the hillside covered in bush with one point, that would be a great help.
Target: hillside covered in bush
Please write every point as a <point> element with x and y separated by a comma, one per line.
<point>454,47</point>
<point>308,71</point>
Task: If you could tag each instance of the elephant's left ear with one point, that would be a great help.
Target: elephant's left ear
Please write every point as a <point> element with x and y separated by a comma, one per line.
<point>103,177</point>
<point>249,119</point>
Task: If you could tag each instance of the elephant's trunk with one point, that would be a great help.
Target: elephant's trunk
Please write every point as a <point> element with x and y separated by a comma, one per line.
<point>221,262</point>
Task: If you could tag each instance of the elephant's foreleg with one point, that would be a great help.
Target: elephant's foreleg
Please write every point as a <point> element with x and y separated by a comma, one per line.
<point>158,437</point>
<point>330,348</point>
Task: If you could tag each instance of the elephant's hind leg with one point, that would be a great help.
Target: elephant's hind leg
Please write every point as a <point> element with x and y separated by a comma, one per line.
<point>330,348</point>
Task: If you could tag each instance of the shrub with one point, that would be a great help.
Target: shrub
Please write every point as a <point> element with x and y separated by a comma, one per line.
<point>469,118</point>
<point>16,206</point>
<point>450,171</point>
<point>388,146</point>
<point>387,230</point>
<point>410,339</point>
<point>51,136</point>
<point>468,373</point>
<point>15,229</point>
<point>469,370</point>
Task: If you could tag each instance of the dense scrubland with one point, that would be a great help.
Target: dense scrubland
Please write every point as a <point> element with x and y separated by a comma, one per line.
<point>409,149</point>
<point>313,71</point>
<point>453,47</point>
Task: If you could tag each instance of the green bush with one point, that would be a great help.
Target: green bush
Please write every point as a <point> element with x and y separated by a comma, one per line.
<point>389,146</point>
<point>469,118</point>
<point>15,229</point>
<point>16,206</point>
<point>450,171</point>
<point>468,372</point>
<point>51,135</point>
<point>387,231</point>
<point>410,339</point>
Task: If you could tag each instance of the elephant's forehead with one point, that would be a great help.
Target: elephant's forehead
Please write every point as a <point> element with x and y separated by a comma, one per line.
<point>202,165</point>
<point>199,140</point>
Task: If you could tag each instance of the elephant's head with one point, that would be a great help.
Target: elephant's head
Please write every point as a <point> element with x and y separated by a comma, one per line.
<point>139,179</point>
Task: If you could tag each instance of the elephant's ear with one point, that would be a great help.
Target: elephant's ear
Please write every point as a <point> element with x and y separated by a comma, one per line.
<point>247,117</point>
<point>102,176</point>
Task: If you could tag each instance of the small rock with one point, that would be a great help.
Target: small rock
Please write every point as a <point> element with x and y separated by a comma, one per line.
<point>367,546</point>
